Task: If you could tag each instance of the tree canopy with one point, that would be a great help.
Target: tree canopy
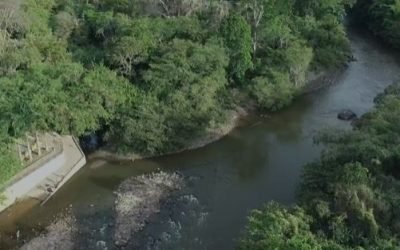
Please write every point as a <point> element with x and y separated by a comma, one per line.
<point>349,198</point>
<point>382,17</point>
<point>152,75</point>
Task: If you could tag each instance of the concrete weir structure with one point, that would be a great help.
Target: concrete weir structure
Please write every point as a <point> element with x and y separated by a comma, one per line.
<point>45,176</point>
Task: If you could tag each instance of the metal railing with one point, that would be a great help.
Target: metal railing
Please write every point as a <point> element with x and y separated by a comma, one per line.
<point>34,151</point>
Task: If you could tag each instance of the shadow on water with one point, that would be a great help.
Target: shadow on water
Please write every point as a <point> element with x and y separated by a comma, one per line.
<point>288,126</point>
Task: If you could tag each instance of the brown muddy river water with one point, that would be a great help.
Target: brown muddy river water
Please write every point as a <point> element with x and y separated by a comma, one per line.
<point>257,163</point>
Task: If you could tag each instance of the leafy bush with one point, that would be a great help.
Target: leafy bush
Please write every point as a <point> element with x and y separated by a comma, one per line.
<point>274,92</point>
<point>349,198</point>
<point>382,17</point>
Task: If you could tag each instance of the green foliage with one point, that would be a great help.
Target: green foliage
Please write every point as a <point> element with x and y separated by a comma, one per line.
<point>153,75</point>
<point>321,8</point>
<point>145,35</point>
<point>38,13</point>
<point>237,36</point>
<point>275,227</point>
<point>171,118</point>
<point>350,196</point>
<point>95,99</point>
<point>328,39</point>
<point>298,59</point>
<point>292,38</point>
<point>382,17</point>
<point>9,162</point>
<point>273,91</point>
<point>140,126</point>
<point>64,98</point>
<point>64,24</point>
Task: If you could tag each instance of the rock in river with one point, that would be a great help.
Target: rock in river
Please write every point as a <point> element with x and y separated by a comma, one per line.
<point>137,199</point>
<point>346,115</point>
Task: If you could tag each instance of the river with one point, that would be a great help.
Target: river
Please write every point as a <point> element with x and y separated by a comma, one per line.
<point>254,164</point>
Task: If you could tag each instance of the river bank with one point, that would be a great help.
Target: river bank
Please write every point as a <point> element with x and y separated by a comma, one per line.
<point>236,118</point>
<point>53,238</point>
<point>226,179</point>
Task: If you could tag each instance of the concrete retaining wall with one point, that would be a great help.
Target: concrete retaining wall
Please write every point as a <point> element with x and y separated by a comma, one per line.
<point>54,173</point>
<point>20,188</point>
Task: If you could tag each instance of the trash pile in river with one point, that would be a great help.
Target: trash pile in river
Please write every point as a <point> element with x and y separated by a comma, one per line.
<point>60,235</point>
<point>137,199</point>
<point>177,225</point>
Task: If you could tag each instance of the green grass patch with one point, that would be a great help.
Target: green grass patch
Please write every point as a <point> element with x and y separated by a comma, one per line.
<point>9,164</point>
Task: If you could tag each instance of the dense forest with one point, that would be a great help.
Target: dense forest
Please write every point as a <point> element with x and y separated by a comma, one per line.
<point>382,17</point>
<point>349,198</point>
<point>151,74</point>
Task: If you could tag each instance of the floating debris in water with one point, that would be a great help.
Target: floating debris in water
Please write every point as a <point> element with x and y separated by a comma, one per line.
<point>137,199</point>
<point>60,235</point>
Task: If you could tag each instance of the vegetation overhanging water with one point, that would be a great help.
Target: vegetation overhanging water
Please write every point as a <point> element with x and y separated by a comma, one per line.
<point>254,164</point>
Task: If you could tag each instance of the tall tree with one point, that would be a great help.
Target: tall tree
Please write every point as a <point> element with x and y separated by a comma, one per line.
<point>237,36</point>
